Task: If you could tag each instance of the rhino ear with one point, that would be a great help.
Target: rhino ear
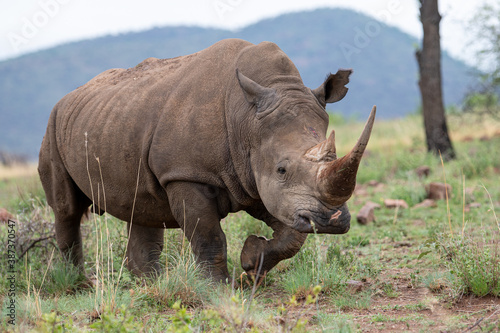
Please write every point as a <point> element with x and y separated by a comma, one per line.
<point>333,89</point>
<point>256,94</point>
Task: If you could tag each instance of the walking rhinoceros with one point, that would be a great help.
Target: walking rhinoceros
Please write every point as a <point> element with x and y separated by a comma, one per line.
<point>182,142</point>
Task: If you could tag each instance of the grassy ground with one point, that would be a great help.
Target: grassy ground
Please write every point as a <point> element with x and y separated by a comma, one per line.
<point>416,269</point>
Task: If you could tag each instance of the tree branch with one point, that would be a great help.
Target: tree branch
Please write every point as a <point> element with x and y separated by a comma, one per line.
<point>33,243</point>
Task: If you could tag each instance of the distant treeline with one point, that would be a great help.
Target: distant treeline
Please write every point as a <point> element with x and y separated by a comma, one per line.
<point>319,42</point>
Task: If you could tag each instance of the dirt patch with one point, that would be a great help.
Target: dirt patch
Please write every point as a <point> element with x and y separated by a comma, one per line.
<point>396,305</point>
<point>419,309</point>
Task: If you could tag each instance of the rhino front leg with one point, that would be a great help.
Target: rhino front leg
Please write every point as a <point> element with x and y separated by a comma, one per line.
<point>144,249</point>
<point>195,209</point>
<point>286,242</point>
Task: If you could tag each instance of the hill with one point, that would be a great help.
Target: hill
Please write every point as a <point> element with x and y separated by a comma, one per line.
<point>319,42</point>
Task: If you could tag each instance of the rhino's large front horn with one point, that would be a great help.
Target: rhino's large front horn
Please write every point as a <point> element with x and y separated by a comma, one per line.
<point>338,178</point>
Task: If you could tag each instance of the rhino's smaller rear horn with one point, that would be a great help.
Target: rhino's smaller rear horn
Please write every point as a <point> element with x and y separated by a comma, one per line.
<point>323,151</point>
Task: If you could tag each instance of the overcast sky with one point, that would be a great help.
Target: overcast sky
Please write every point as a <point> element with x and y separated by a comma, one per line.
<point>29,25</point>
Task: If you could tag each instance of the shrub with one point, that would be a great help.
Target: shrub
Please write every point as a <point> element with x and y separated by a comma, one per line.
<point>474,265</point>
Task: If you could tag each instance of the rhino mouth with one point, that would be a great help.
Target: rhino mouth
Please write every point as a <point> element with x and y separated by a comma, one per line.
<point>336,221</point>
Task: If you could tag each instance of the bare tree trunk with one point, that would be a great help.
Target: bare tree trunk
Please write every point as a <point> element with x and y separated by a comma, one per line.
<point>429,63</point>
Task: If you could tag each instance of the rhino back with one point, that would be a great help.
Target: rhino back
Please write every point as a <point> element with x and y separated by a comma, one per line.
<point>165,116</point>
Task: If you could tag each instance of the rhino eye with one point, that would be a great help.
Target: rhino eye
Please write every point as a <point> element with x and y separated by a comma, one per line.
<point>281,170</point>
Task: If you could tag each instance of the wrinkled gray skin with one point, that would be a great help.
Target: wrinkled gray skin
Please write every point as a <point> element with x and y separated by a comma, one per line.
<point>192,139</point>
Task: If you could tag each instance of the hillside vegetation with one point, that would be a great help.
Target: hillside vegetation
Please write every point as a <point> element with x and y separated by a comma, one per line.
<point>429,269</point>
<point>319,42</point>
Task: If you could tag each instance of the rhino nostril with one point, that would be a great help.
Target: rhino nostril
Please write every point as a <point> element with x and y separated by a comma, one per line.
<point>304,219</point>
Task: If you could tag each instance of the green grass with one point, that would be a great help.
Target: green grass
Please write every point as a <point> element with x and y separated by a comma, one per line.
<point>182,281</point>
<point>448,250</point>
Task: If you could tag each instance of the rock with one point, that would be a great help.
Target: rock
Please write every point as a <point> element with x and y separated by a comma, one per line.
<point>468,207</point>
<point>360,190</point>
<point>426,204</point>
<point>376,185</point>
<point>423,171</point>
<point>402,244</point>
<point>469,194</point>
<point>355,286</point>
<point>395,203</point>
<point>5,216</point>
<point>366,213</point>
<point>437,191</point>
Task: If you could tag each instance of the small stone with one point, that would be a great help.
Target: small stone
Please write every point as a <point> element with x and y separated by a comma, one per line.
<point>402,244</point>
<point>395,203</point>
<point>360,190</point>
<point>423,171</point>
<point>438,191</point>
<point>355,286</point>
<point>469,194</point>
<point>427,203</point>
<point>366,213</point>
<point>468,207</point>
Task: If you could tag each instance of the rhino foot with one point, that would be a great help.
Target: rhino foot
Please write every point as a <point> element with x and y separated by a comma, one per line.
<point>251,254</point>
<point>285,244</point>
<point>143,250</point>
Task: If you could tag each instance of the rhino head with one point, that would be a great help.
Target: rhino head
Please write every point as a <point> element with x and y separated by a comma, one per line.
<point>298,175</point>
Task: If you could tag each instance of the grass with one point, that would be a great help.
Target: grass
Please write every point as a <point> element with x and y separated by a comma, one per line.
<point>414,264</point>
<point>474,266</point>
<point>183,281</point>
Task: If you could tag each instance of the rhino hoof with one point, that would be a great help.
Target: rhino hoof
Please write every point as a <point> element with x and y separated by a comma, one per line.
<point>251,252</point>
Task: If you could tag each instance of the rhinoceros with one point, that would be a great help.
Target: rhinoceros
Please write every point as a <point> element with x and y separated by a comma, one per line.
<point>183,142</point>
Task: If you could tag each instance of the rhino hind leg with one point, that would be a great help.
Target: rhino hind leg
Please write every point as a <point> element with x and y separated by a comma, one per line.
<point>69,239</point>
<point>286,242</point>
<point>195,209</point>
<point>68,202</point>
<point>143,250</point>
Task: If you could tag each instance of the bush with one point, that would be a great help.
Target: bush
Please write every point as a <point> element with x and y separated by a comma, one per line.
<point>474,265</point>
